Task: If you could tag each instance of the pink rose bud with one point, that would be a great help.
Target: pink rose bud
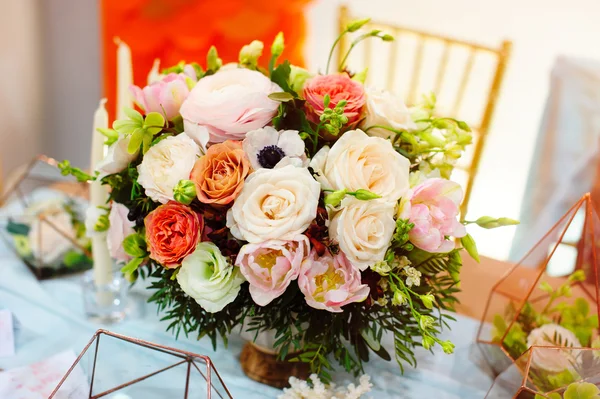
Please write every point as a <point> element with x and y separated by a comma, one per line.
<point>164,96</point>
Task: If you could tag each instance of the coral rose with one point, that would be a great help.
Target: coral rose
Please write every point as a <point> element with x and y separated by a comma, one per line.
<point>339,87</point>
<point>219,174</point>
<point>330,282</point>
<point>172,232</point>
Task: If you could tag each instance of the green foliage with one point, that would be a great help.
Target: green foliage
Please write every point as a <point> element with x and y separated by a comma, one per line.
<point>66,169</point>
<point>141,129</point>
<point>281,76</point>
<point>15,228</point>
<point>111,136</point>
<point>213,62</point>
<point>577,318</point>
<point>488,222</point>
<point>333,119</point>
<point>469,244</point>
<point>582,390</point>
<point>276,50</point>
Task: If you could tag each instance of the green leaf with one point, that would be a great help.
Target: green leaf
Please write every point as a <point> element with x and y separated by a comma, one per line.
<point>111,135</point>
<point>469,244</point>
<point>582,390</point>
<point>17,228</point>
<point>281,96</point>
<point>135,245</point>
<point>132,265</point>
<point>133,115</point>
<point>370,339</point>
<point>582,306</point>
<point>154,120</point>
<point>126,126</point>
<point>135,141</point>
<point>281,75</point>
<point>146,142</point>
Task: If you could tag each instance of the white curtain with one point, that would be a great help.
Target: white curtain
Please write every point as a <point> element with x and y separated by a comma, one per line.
<point>20,83</point>
<point>566,152</point>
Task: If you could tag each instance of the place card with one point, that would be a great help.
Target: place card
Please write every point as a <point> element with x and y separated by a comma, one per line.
<point>38,380</point>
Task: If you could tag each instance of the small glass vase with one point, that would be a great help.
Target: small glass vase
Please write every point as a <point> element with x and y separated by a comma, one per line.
<point>105,303</point>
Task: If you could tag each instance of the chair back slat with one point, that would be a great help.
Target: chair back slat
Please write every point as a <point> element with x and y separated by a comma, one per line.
<point>454,82</point>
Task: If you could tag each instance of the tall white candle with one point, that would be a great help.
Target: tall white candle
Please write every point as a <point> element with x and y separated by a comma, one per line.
<point>99,197</point>
<point>124,77</point>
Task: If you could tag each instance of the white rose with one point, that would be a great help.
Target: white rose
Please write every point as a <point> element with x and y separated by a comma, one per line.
<point>207,277</point>
<point>51,237</point>
<point>385,109</point>
<point>552,360</point>
<point>275,203</point>
<point>117,158</point>
<point>363,230</point>
<point>120,227</point>
<point>165,163</point>
<point>358,161</point>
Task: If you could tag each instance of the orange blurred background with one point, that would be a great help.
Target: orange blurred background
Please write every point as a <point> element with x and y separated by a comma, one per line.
<point>184,30</point>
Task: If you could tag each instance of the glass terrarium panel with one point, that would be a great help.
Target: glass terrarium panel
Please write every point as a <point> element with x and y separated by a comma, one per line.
<point>119,367</point>
<point>42,220</point>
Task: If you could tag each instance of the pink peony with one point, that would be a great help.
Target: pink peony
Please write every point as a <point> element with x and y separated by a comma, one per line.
<point>330,282</point>
<point>229,104</point>
<point>339,87</point>
<point>433,207</point>
<point>120,228</point>
<point>164,96</point>
<point>271,265</point>
<point>172,231</point>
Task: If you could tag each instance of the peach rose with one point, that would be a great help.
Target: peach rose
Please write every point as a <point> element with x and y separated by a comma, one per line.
<point>219,174</point>
<point>339,87</point>
<point>172,232</point>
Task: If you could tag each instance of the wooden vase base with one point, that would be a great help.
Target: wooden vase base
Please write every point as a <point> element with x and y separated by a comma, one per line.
<point>265,368</point>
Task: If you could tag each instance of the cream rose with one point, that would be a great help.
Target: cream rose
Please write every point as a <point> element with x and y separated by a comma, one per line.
<point>363,229</point>
<point>552,360</point>
<point>358,161</point>
<point>385,109</point>
<point>117,158</point>
<point>165,163</point>
<point>275,203</point>
<point>206,276</point>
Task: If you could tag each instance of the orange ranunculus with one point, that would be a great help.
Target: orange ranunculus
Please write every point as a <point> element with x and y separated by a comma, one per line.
<point>172,232</point>
<point>219,175</point>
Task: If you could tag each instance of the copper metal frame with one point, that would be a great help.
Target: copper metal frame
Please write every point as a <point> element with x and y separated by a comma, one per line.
<point>502,289</point>
<point>183,356</point>
<point>15,187</point>
<point>501,53</point>
<point>525,369</point>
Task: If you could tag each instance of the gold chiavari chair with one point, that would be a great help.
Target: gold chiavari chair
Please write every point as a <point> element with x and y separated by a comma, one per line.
<point>439,78</point>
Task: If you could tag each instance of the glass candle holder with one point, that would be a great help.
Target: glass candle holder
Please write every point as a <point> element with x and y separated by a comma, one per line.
<point>105,303</point>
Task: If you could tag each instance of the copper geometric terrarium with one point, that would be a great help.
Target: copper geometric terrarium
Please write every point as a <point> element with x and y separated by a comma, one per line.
<point>550,298</point>
<point>42,219</point>
<point>115,366</point>
<point>528,377</point>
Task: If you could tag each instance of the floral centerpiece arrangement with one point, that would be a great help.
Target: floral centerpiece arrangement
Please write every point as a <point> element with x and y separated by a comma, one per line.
<point>304,204</point>
<point>556,322</point>
<point>49,236</point>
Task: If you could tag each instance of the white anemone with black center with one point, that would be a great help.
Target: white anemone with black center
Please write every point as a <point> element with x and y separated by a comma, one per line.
<point>266,147</point>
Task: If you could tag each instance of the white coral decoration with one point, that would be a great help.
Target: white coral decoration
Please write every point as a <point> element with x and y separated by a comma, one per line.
<point>300,389</point>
